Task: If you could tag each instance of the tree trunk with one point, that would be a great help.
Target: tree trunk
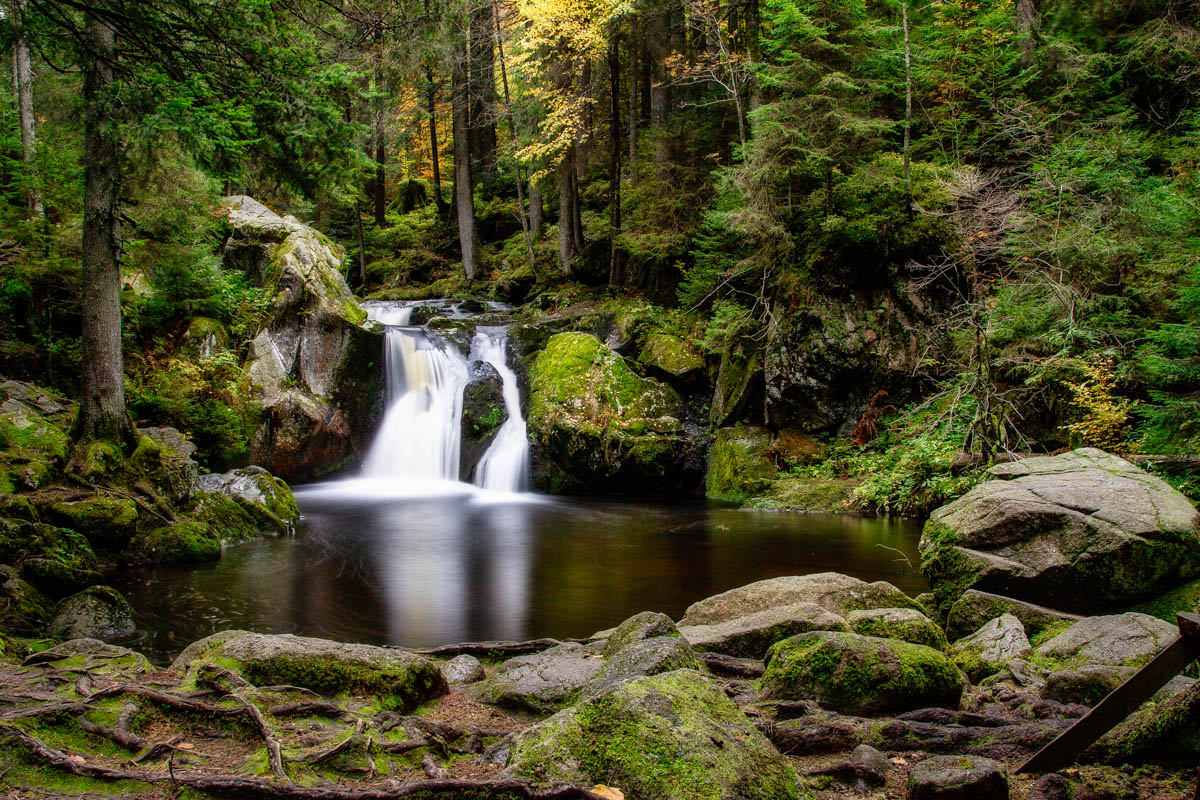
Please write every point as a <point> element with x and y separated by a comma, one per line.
<point>907,110</point>
<point>431,107</point>
<point>23,92</point>
<point>102,388</point>
<point>583,144</point>
<point>1029,30</point>
<point>615,273</point>
<point>567,211</point>
<point>633,105</point>
<point>482,88</point>
<point>380,187</point>
<point>537,212</point>
<point>362,250</point>
<point>512,129</point>
<point>464,199</point>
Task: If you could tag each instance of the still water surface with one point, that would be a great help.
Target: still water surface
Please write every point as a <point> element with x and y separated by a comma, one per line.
<point>429,570</point>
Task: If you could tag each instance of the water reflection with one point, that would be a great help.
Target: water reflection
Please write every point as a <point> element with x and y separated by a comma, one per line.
<point>424,571</point>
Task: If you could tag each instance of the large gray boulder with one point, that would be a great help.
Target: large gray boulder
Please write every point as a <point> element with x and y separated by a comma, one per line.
<point>832,591</point>
<point>958,778</point>
<point>990,648</point>
<point>316,362</point>
<point>98,612</point>
<point>399,679</point>
<point>1084,531</point>
<point>975,608</point>
<point>905,624</point>
<point>1119,640</point>
<point>673,736</point>
<point>752,635</point>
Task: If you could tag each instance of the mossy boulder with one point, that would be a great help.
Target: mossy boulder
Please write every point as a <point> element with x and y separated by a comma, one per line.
<point>543,682</point>
<point>905,624</point>
<point>1160,731</point>
<point>244,502</point>
<point>807,493</point>
<point>97,658</point>
<point>163,459</point>
<point>666,737</point>
<point>205,337</point>
<point>739,463</point>
<point>671,359</point>
<point>958,777</point>
<point>98,612</point>
<point>832,591</point>
<point>23,609</point>
<point>184,542</point>
<point>56,560</point>
<point>97,462</point>
<point>1121,640</point>
<point>992,647</point>
<point>751,636</point>
<point>739,387</point>
<point>1083,531</point>
<point>975,608</point>
<point>399,680</point>
<point>862,675</point>
<point>33,443</point>
<point>483,412</point>
<point>105,520</point>
<point>599,422</point>
<point>315,366</point>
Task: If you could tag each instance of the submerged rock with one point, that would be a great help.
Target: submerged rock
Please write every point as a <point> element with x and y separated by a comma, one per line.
<point>1128,640</point>
<point>316,364</point>
<point>833,591</point>
<point>1084,531</point>
<point>990,648</point>
<point>856,674</point>
<point>98,612</point>
<point>673,736</point>
<point>752,635</point>
<point>400,679</point>
<point>601,424</point>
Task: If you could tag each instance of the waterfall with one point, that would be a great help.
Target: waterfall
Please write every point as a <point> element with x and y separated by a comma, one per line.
<point>419,439</point>
<point>505,465</point>
<point>420,433</point>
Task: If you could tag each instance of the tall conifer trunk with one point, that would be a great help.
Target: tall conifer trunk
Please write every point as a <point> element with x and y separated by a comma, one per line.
<point>102,412</point>
<point>464,197</point>
<point>23,92</point>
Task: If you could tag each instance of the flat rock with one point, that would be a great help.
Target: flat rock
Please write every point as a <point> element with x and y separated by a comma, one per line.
<point>855,674</point>
<point>832,591</point>
<point>402,680</point>
<point>543,682</point>
<point>1082,531</point>
<point>998,642</point>
<point>905,624</point>
<point>958,778</point>
<point>674,736</point>
<point>1128,640</point>
<point>971,611</point>
<point>640,658</point>
<point>752,635</point>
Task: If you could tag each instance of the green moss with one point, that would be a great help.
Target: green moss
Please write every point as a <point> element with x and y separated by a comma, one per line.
<point>399,688</point>
<point>917,631</point>
<point>670,355</point>
<point>1185,598</point>
<point>860,675</point>
<point>57,560</point>
<point>226,517</point>
<point>97,462</point>
<point>948,569</point>
<point>807,493</point>
<point>739,464</point>
<point>181,543</point>
<point>103,519</point>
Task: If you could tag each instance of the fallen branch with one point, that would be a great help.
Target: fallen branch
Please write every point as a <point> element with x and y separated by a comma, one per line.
<point>305,708</point>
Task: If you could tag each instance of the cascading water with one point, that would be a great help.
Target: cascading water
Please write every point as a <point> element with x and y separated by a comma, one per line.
<point>505,465</point>
<point>419,439</point>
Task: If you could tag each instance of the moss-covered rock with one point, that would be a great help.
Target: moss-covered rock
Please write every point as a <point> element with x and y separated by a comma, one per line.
<point>739,387</point>
<point>974,608</point>
<point>184,542</point>
<point>162,459</point>
<point>23,609</point>
<point>399,679</point>
<point>1166,731</point>
<point>599,422</point>
<point>243,503</point>
<point>739,463</point>
<point>992,647</point>
<point>667,737</point>
<point>671,359</point>
<point>543,682</point>
<point>98,612</point>
<point>205,337</point>
<point>807,493</point>
<point>97,462</point>
<point>832,591</point>
<point>483,412</point>
<point>1121,640</point>
<point>905,624</point>
<point>855,674</point>
<point>33,443</point>
<point>751,636</point>
<point>106,520</point>
<point>56,560</point>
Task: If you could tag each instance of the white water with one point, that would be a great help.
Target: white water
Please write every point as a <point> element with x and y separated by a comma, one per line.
<point>417,450</point>
<point>505,465</point>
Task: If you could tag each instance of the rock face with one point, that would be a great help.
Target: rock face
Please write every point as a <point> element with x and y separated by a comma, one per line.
<point>832,591</point>
<point>402,680</point>
<point>483,412</point>
<point>827,360</point>
<point>739,463</point>
<point>667,737</point>
<point>958,778</point>
<point>752,635</point>
<point>600,424</point>
<point>1120,640</point>
<point>671,359</point>
<point>315,363</point>
<point>98,612</point>
<point>991,647</point>
<point>855,674</point>
<point>1084,531</point>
